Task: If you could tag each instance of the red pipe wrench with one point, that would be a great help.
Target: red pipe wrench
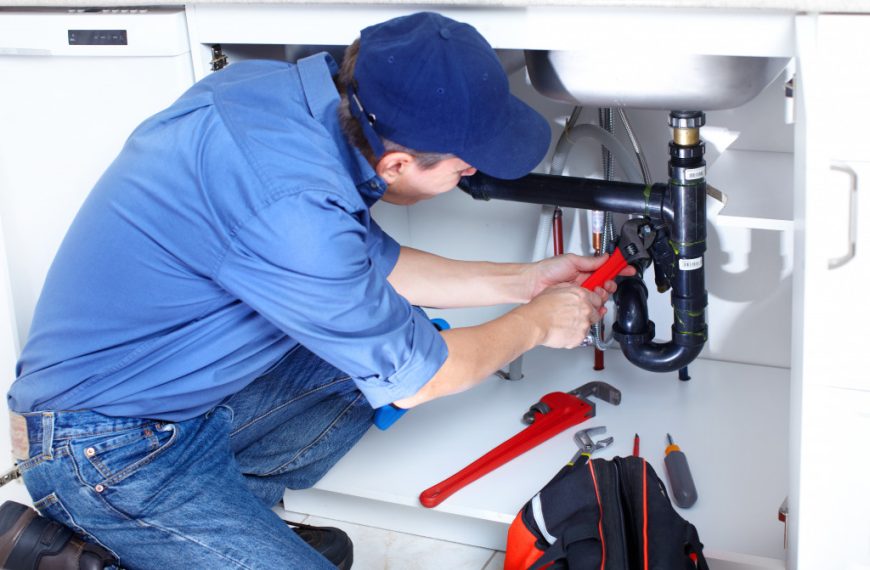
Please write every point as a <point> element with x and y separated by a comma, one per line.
<point>632,247</point>
<point>556,412</point>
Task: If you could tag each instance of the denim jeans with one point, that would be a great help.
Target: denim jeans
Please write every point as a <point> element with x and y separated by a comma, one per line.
<point>199,493</point>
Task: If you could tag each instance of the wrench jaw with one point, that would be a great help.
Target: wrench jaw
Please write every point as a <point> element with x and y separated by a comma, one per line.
<point>635,240</point>
<point>601,390</point>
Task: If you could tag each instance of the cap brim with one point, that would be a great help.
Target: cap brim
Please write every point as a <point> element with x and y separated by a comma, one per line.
<point>518,144</point>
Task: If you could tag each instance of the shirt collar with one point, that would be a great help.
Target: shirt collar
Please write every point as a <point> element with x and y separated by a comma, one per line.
<point>316,74</point>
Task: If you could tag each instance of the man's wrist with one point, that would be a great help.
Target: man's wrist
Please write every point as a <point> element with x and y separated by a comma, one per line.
<point>534,333</point>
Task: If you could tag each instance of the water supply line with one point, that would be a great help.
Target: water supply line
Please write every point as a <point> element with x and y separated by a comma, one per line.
<point>603,235</point>
<point>677,209</point>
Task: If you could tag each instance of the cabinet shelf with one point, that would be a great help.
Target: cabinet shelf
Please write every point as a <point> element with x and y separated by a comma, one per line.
<point>730,419</point>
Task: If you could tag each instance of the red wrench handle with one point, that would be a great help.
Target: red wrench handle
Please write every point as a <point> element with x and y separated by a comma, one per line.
<point>565,411</point>
<point>606,272</point>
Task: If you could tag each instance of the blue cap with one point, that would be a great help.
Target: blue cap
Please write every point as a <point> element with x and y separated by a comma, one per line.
<point>435,85</point>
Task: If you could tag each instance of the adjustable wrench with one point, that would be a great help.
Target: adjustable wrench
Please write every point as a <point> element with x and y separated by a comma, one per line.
<point>556,412</point>
<point>632,247</point>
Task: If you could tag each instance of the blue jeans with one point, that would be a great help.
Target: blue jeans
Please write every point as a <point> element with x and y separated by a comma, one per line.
<point>198,493</point>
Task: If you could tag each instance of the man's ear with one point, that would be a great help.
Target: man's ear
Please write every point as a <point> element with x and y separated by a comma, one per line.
<point>392,165</point>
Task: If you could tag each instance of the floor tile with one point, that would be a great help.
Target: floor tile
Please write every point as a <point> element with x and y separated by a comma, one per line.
<point>378,549</point>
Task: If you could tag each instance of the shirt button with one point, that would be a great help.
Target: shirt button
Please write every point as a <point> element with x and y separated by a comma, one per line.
<point>374,185</point>
<point>90,452</point>
<point>99,488</point>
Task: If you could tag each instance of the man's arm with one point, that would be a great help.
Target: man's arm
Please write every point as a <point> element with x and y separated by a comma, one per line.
<point>429,280</point>
<point>559,318</point>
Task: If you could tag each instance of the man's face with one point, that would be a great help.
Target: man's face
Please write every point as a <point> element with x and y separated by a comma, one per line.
<point>410,184</point>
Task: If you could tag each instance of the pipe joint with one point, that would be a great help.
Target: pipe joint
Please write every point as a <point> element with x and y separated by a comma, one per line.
<point>691,305</point>
<point>625,338</point>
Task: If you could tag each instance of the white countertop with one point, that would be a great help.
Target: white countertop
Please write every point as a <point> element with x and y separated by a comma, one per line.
<point>827,6</point>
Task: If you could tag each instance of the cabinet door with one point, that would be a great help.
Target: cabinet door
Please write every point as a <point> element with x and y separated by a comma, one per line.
<point>833,526</point>
<point>828,491</point>
<point>833,214</point>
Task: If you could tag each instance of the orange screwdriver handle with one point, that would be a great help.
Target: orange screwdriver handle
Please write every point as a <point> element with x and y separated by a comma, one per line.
<point>565,410</point>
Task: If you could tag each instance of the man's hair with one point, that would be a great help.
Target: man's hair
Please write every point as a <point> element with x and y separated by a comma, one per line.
<point>353,130</point>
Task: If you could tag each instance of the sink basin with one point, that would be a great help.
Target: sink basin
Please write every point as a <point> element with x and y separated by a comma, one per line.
<point>641,80</point>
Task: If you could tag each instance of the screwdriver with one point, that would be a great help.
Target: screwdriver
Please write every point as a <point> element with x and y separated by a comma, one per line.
<point>677,466</point>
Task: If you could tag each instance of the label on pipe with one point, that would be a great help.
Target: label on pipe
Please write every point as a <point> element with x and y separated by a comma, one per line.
<point>690,264</point>
<point>696,173</point>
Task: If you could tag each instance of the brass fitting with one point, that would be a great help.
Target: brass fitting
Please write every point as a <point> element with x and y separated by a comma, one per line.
<point>687,137</point>
<point>596,243</point>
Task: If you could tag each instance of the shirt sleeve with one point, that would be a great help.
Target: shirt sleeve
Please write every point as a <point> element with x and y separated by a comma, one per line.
<point>383,250</point>
<point>317,270</point>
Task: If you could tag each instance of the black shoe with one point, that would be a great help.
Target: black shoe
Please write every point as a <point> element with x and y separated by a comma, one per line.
<point>28,541</point>
<point>333,543</point>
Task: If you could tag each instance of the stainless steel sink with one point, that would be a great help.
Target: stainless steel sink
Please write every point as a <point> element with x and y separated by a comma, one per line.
<point>651,80</point>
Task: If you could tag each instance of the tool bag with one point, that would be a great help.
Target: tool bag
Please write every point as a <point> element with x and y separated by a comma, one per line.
<point>603,514</point>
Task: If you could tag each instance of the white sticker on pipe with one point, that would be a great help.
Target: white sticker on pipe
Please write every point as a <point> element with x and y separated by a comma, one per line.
<point>690,264</point>
<point>696,173</point>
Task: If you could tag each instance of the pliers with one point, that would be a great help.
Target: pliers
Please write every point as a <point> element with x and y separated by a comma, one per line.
<point>587,447</point>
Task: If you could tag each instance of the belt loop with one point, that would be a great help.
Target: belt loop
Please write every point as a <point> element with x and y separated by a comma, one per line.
<point>47,434</point>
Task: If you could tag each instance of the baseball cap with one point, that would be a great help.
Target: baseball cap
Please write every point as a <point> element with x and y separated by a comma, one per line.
<point>434,84</point>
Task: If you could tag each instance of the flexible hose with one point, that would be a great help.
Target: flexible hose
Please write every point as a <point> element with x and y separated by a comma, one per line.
<point>641,158</point>
<point>563,146</point>
<point>623,157</point>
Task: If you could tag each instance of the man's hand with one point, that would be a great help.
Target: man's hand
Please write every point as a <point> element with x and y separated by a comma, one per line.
<point>563,314</point>
<point>568,268</point>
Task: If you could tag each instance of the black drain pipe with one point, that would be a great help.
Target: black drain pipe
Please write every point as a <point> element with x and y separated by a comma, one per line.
<point>679,207</point>
<point>570,192</point>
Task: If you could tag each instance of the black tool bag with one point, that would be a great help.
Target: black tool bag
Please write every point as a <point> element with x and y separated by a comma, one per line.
<point>603,514</point>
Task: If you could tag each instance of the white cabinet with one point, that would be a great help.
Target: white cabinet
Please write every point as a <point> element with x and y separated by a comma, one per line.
<point>831,386</point>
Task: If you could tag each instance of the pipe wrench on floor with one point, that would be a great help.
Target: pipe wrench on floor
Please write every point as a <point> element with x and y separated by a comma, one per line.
<point>556,412</point>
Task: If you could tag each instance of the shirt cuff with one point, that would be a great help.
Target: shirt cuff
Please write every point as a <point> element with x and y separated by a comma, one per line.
<point>428,355</point>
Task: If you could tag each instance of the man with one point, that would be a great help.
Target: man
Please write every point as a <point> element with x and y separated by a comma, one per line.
<point>224,315</point>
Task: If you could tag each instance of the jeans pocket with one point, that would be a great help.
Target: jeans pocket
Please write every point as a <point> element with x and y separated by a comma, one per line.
<point>51,507</point>
<point>110,458</point>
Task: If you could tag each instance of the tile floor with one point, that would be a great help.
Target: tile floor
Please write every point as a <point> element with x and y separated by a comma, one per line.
<point>378,549</point>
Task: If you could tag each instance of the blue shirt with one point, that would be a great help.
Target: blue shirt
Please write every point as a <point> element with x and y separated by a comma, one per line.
<point>232,226</point>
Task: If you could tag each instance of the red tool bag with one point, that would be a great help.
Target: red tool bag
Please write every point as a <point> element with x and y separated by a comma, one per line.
<point>603,514</point>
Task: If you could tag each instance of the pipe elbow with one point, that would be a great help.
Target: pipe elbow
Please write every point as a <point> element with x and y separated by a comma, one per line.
<point>635,333</point>
<point>661,357</point>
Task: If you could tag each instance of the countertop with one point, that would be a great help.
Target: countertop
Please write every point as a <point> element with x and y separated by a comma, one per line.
<point>827,6</point>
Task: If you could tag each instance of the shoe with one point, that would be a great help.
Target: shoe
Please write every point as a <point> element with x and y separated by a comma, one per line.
<point>333,543</point>
<point>29,541</point>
